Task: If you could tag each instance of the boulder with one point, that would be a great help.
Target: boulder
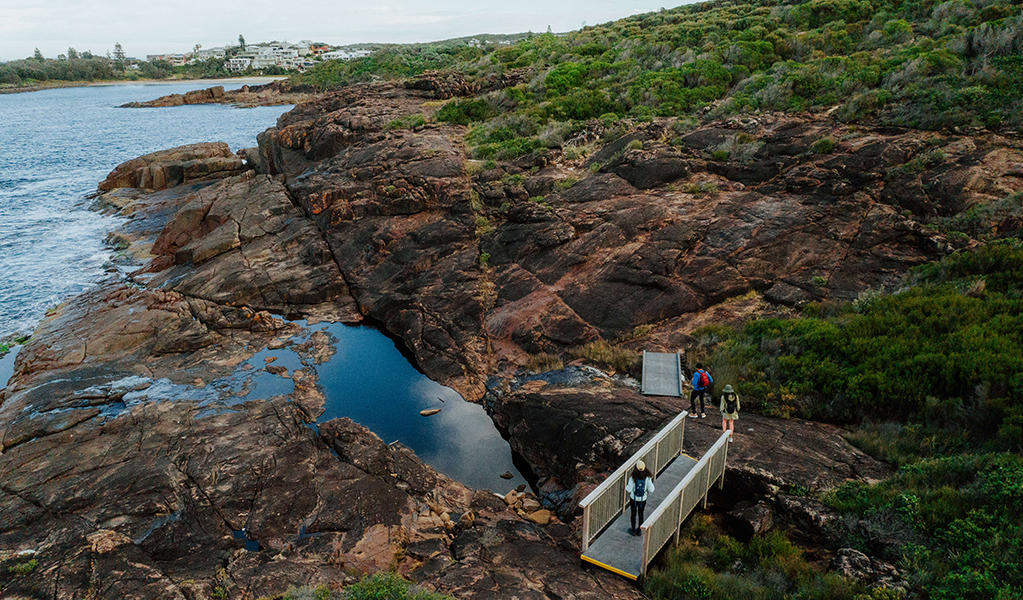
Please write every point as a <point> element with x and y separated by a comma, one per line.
<point>873,572</point>
<point>169,168</point>
<point>747,520</point>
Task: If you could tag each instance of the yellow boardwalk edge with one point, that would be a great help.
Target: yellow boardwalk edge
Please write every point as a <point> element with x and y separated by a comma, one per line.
<point>608,567</point>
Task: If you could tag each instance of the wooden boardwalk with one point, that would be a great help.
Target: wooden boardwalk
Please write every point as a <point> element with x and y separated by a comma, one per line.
<point>681,484</point>
<point>618,551</point>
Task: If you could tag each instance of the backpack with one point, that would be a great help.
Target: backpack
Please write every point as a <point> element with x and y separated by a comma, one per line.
<point>705,379</point>
<point>731,403</point>
<point>640,487</point>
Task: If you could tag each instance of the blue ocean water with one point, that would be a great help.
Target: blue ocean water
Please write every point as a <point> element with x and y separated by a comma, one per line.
<point>55,147</point>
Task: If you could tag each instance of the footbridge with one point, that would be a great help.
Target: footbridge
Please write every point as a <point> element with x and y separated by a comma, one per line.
<point>681,484</point>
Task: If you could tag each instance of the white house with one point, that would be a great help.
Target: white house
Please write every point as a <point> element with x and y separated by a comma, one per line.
<point>238,63</point>
<point>208,53</point>
<point>345,54</point>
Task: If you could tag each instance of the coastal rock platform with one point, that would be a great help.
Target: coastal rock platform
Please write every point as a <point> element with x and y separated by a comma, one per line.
<point>127,471</point>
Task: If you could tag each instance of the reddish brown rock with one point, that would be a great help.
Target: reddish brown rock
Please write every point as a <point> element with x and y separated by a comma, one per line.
<point>169,168</point>
<point>109,434</point>
<point>274,93</point>
<point>598,257</point>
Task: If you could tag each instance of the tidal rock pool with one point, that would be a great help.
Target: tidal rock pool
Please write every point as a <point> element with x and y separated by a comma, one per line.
<point>365,376</point>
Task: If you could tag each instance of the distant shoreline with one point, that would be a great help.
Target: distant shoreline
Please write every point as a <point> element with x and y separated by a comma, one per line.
<point>51,85</point>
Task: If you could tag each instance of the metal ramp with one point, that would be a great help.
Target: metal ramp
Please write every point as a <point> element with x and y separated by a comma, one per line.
<point>681,483</point>
<point>662,374</point>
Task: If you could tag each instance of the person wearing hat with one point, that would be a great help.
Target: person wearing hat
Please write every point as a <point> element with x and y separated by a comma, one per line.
<point>639,486</point>
<point>729,410</point>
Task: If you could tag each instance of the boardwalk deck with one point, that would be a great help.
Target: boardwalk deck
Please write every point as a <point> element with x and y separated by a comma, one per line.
<point>662,374</point>
<point>621,553</point>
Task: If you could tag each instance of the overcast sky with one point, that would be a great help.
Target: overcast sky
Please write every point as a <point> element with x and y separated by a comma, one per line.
<point>149,27</point>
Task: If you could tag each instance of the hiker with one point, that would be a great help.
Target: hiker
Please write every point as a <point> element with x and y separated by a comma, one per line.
<point>702,382</point>
<point>639,485</point>
<point>729,410</point>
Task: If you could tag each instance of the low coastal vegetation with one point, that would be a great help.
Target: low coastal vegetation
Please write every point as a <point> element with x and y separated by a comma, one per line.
<point>382,586</point>
<point>711,565</point>
<point>10,342</point>
<point>930,379</point>
<point>923,64</point>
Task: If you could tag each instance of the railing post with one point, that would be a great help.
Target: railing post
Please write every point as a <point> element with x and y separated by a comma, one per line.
<point>646,550</point>
<point>724,464</point>
<point>586,527</point>
<point>657,464</point>
<point>706,485</point>
<point>678,522</point>
<point>682,438</point>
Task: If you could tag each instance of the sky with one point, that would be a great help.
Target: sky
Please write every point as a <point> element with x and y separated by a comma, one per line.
<point>146,27</point>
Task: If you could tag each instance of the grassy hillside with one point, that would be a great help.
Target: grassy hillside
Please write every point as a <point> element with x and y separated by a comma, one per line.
<point>921,63</point>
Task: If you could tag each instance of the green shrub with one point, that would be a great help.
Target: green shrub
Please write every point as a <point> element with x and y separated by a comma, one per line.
<point>966,507</point>
<point>824,146</point>
<point>465,111</point>
<point>884,356</point>
<point>389,586</point>
<point>716,566</point>
<point>24,568</point>
<point>483,226</point>
<point>408,122</point>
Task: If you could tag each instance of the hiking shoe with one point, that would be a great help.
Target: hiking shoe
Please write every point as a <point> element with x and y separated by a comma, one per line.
<point>703,415</point>
<point>692,415</point>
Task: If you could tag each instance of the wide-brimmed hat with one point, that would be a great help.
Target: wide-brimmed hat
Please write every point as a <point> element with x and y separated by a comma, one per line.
<point>641,466</point>
<point>728,389</point>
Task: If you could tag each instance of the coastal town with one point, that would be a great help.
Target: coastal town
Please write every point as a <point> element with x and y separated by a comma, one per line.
<point>288,56</point>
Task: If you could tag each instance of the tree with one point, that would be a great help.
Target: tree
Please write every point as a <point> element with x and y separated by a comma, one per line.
<point>119,56</point>
<point>72,54</point>
<point>38,55</point>
<point>241,41</point>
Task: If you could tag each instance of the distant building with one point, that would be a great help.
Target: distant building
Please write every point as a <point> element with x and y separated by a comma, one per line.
<point>237,64</point>
<point>345,54</point>
<point>318,49</point>
<point>207,54</point>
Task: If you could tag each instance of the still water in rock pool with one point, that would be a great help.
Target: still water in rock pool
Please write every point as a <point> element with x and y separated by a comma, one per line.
<point>370,381</point>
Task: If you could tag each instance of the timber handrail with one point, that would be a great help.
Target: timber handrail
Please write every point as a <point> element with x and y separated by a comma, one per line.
<point>607,500</point>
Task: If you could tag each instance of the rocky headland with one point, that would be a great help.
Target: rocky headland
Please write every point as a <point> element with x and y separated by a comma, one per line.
<point>127,473</point>
<point>275,93</point>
